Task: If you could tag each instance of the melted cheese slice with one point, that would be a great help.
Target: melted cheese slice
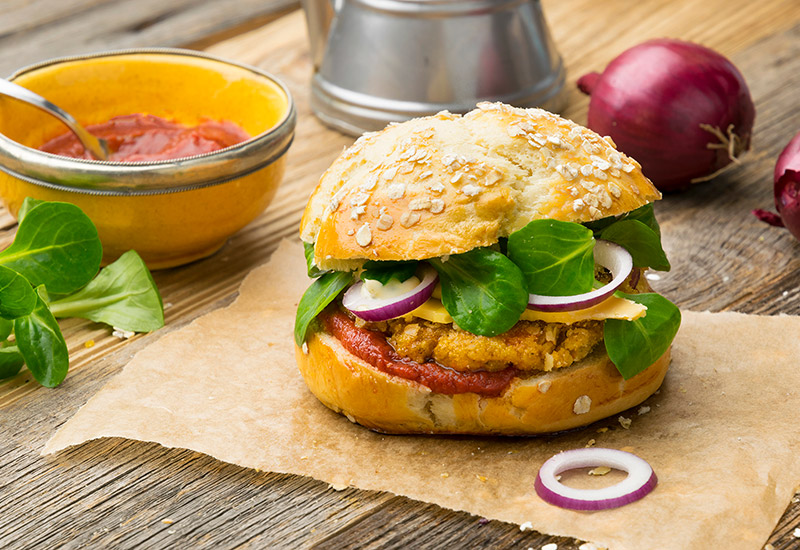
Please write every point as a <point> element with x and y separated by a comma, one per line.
<point>613,308</point>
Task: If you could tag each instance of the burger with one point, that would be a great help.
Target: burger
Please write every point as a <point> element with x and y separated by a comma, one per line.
<point>483,274</point>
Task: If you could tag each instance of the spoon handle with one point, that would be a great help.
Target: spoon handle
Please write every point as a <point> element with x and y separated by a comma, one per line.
<point>97,147</point>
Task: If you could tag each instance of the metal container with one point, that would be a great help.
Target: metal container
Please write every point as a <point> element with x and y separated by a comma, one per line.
<point>380,61</point>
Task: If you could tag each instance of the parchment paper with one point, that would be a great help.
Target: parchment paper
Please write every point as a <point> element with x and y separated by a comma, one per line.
<point>722,434</point>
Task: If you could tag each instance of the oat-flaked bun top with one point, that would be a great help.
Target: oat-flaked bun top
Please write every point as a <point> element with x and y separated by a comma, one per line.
<point>446,184</point>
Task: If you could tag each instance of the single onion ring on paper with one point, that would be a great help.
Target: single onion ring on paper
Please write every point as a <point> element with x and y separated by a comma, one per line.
<point>640,481</point>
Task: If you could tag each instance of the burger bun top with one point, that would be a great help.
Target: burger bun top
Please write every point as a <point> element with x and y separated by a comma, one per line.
<point>447,183</point>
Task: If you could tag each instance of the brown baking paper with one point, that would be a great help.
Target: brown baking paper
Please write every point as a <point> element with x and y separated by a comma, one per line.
<point>722,434</point>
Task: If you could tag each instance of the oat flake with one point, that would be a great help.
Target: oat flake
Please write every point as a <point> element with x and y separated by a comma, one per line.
<point>364,235</point>
<point>582,405</point>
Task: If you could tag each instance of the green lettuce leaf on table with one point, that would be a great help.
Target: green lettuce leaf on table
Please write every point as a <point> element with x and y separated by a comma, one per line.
<point>51,270</point>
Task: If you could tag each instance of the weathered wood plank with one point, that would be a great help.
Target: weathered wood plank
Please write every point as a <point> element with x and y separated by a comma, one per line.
<point>113,493</point>
<point>42,29</point>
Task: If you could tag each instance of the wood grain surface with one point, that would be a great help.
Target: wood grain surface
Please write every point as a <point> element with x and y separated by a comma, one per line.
<point>123,494</point>
<point>35,30</point>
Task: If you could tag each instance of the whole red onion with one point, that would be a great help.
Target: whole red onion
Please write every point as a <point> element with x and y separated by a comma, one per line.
<point>681,110</point>
<point>787,190</point>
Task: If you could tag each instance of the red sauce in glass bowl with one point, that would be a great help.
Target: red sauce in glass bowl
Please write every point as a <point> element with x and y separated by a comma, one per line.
<point>142,138</point>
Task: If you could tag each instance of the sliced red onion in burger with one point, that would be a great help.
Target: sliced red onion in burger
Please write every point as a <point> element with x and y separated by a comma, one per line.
<point>362,305</point>
<point>640,481</point>
<point>609,255</point>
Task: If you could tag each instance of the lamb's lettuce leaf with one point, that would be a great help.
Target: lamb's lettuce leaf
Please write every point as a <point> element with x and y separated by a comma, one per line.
<point>123,295</point>
<point>482,290</point>
<point>635,345</point>
<point>41,343</point>
<point>56,245</point>
<point>316,298</point>
<point>555,257</point>
<point>383,272</point>
<point>641,241</point>
<point>638,232</point>
<point>313,270</point>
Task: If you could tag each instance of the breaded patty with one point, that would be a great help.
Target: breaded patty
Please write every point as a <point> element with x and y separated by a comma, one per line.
<point>529,345</point>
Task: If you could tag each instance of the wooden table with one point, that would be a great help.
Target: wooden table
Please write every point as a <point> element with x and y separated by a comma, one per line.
<point>123,494</point>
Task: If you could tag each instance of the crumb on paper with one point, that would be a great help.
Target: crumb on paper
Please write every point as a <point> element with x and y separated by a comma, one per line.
<point>527,526</point>
<point>122,334</point>
<point>591,443</point>
<point>481,478</point>
<point>599,471</point>
<point>88,344</point>
<point>444,475</point>
<point>644,409</point>
<point>625,422</point>
<point>304,457</point>
<point>582,405</point>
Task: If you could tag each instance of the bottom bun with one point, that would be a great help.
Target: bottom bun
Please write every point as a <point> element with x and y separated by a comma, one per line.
<point>574,396</point>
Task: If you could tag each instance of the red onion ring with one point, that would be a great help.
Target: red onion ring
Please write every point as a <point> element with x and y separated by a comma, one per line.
<point>611,256</point>
<point>640,481</point>
<point>382,309</point>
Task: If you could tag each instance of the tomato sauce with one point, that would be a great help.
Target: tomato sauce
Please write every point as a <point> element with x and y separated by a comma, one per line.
<point>140,138</point>
<point>372,347</point>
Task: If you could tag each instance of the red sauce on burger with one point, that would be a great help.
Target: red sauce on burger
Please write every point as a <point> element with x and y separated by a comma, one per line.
<point>371,346</point>
<point>140,138</point>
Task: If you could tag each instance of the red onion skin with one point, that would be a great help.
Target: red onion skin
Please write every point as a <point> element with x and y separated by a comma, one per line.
<point>789,159</point>
<point>592,506</point>
<point>390,311</point>
<point>652,99</point>
<point>786,189</point>
<point>787,200</point>
<point>768,217</point>
<point>787,186</point>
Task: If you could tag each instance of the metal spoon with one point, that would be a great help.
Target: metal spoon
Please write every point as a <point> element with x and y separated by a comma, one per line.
<point>96,146</point>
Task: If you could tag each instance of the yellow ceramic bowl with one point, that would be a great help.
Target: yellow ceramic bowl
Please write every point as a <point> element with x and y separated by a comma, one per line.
<point>170,212</point>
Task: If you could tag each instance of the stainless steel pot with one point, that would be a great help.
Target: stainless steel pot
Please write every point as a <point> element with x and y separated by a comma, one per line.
<point>379,61</point>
